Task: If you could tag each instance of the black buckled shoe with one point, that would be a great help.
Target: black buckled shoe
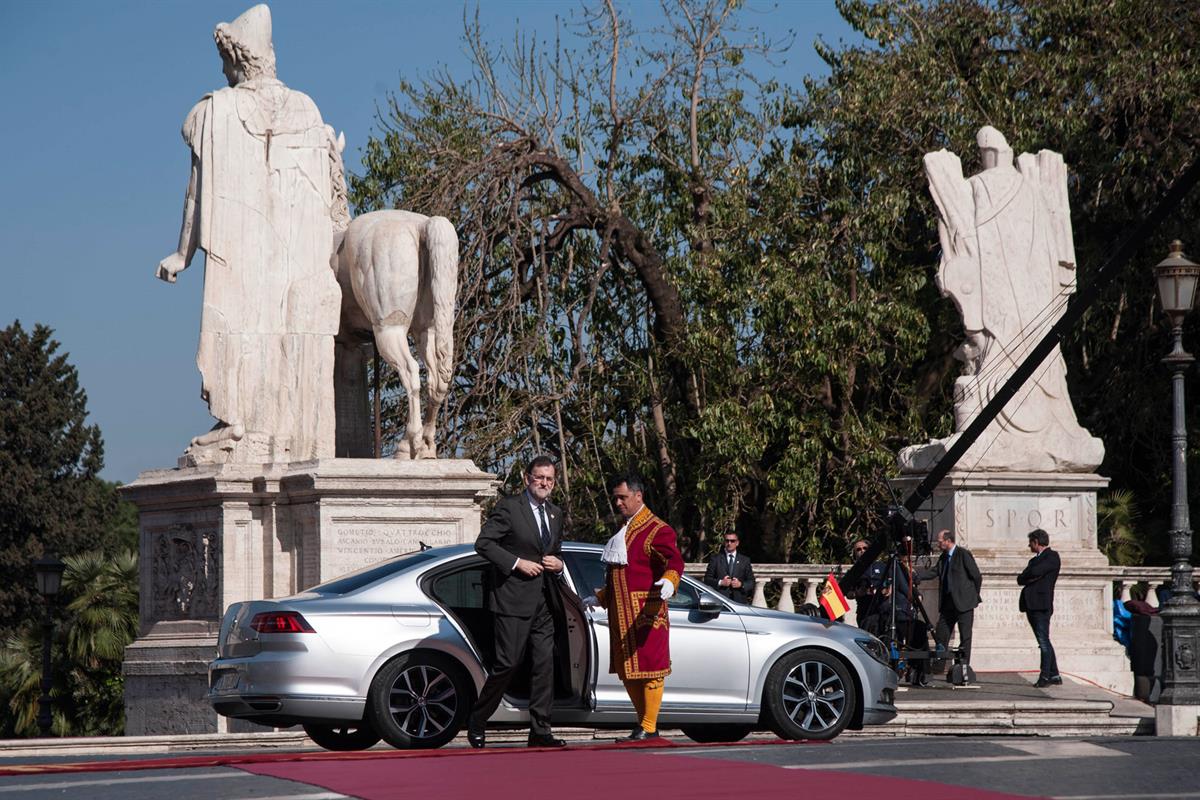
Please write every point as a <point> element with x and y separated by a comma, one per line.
<point>476,739</point>
<point>545,740</point>
<point>1042,683</point>
<point>639,735</point>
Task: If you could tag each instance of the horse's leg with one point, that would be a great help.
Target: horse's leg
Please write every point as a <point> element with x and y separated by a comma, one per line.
<point>392,341</point>
<point>435,391</point>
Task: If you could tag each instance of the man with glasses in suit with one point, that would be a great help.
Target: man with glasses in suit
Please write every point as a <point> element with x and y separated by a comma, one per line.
<point>522,538</point>
<point>730,573</point>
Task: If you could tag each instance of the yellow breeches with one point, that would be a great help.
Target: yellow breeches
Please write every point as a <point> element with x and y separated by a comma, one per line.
<point>647,697</point>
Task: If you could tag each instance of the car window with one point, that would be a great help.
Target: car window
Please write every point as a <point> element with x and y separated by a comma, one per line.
<point>587,572</point>
<point>367,575</point>
<point>686,596</point>
<point>460,589</point>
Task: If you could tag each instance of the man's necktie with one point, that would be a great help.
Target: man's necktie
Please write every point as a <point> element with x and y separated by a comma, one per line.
<point>731,559</point>
<point>545,527</point>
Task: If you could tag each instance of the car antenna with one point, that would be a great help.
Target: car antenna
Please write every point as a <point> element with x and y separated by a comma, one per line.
<point>424,546</point>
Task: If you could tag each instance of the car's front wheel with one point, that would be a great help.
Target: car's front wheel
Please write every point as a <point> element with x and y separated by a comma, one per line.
<point>809,695</point>
<point>419,700</point>
<point>343,738</point>
<point>716,732</point>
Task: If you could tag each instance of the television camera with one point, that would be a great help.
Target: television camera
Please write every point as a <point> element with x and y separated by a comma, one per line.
<point>890,606</point>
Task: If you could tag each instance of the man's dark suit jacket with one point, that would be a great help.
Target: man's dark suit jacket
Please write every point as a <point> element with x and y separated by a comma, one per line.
<point>718,567</point>
<point>509,533</point>
<point>1039,578</point>
<point>963,582</point>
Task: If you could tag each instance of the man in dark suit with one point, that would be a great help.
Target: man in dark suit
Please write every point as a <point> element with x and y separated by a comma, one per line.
<point>730,573</point>
<point>1037,601</point>
<point>522,538</point>
<point>959,592</point>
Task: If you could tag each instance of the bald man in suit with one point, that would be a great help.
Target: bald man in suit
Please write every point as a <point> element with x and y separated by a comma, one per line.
<point>961,582</point>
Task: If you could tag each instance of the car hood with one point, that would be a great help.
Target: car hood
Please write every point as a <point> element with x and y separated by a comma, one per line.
<point>802,619</point>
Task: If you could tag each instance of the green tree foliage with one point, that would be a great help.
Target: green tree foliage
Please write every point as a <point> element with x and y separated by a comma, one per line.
<point>1047,73</point>
<point>670,264</point>
<point>51,501</point>
<point>97,619</point>
<point>1117,516</point>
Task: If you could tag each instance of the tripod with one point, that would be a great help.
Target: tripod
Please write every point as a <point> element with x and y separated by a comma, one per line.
<point>896,582</point>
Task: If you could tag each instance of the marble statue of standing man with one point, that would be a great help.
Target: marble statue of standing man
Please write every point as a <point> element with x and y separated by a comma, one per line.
<point>1008,263</point>
<point>262,203</point>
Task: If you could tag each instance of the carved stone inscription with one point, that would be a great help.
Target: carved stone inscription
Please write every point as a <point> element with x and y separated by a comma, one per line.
<point>359,543</point>
<point>1075,611</point>
<point>187,560</point>
<point>999,519</point>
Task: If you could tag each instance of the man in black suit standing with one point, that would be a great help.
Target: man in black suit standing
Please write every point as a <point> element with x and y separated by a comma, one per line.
<point>1037,601</point>
<point>959,592</point>
<point>522,538</point>
<point>730,573</point>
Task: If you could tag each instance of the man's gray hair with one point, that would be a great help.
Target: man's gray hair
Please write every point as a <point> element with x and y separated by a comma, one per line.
<point>541,461</point>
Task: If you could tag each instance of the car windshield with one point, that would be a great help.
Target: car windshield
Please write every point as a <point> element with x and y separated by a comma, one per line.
<point>356,580</point>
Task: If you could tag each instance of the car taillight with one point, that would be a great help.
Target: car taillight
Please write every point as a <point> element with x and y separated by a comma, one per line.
<point>280,622</point>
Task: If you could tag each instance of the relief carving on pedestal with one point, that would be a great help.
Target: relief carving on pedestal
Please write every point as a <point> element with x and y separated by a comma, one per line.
<point>1185,657</point>
<point>186,563</point>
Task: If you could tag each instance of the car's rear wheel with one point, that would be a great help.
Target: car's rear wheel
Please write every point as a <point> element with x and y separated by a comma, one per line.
<point>419,700</point>
<point>343,738</point>
<point>809,695</point>
<point>709,734</point>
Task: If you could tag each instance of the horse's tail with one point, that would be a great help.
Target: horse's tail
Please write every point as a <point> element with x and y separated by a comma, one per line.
<point>441,244</point>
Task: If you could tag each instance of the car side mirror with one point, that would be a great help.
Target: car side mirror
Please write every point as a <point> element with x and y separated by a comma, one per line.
<point>709,605</point>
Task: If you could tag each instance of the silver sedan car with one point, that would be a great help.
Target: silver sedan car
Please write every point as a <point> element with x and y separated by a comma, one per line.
<point>399,651</point>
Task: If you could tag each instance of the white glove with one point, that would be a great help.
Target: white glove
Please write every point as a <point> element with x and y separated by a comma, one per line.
<point>666,588</point>
<point>591,601</point>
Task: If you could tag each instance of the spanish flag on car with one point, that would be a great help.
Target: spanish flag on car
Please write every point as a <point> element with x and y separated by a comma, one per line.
<point>832,599</point>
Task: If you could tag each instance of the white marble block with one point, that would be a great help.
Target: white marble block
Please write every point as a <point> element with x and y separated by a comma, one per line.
<point>223,533</point>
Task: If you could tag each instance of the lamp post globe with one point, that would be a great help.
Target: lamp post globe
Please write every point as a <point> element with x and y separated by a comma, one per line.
<point>1177,278</point>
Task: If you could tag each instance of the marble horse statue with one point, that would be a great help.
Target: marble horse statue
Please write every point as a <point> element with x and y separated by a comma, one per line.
<point>399,276</point>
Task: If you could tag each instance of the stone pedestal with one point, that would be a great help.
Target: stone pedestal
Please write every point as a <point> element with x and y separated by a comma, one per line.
<point>992,513</point>
<point>1176,720</point>
<point>215,535</point>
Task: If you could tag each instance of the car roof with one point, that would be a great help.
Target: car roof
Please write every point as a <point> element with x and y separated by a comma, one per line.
<point>456,550</point>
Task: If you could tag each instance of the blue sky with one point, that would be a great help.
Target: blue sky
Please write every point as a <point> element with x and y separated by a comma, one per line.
<point>93,168</point>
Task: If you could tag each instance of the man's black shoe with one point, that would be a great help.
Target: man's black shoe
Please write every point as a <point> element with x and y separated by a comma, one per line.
<point>545,740</point>
<point>639,735</point>
<point>1042,683</point>
<point>476,739</point>
<point>1056,680</point>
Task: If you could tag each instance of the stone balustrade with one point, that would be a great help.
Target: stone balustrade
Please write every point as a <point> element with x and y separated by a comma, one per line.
<point>809,577</point>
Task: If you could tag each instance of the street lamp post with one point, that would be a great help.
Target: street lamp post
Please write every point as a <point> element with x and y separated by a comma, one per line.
<point>1177,278</point>
<point>49,580</point>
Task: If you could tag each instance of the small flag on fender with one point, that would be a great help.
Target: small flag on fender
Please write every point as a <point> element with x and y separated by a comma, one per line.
<point>832,599</point>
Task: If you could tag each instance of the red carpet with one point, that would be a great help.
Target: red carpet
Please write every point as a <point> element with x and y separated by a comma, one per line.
<point>275,756</point>
<point>596,774</point>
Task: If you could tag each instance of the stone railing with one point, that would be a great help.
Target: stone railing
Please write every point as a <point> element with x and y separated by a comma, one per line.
<point>1125,577</point>
<point>809,576</point>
